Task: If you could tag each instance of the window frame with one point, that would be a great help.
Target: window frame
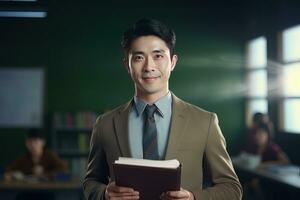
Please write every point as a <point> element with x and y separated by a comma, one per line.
<point>252,69</point>
<point>283,97</point>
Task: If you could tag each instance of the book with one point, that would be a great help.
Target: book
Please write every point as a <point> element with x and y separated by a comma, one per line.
<point>149,177</point>
<point>247,160</point>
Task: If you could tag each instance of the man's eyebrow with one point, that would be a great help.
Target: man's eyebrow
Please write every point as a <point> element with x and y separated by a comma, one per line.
<point>159,51</point>
<point>137,52</point>
<point>154,51</point>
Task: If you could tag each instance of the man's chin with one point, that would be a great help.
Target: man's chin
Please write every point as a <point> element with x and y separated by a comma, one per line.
<point>151,90</point>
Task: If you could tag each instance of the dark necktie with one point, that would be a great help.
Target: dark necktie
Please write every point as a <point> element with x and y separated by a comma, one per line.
<point>150,147</point>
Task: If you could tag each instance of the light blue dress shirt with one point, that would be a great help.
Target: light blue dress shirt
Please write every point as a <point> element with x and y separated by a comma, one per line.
<point>136,123</point>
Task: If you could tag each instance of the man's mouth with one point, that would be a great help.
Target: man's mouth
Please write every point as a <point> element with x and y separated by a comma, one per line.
<point>150,78</point>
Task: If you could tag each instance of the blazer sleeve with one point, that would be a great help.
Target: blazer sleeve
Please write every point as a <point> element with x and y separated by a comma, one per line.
<point>225,183</point>
<point>96,178</point>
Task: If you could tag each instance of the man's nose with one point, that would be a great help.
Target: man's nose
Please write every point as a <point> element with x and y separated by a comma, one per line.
<point>149,64</point>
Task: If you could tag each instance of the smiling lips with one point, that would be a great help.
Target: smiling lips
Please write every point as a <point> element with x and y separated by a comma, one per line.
<point>150,78</point>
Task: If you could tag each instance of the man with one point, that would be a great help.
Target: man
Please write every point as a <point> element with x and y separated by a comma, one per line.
<point>37,161</point>
<point>181,130</point>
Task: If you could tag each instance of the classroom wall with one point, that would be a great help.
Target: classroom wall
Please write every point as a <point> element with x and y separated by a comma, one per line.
<point>78,44</point>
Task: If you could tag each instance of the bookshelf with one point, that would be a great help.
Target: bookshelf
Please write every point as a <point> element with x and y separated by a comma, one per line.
<point>70,138</point>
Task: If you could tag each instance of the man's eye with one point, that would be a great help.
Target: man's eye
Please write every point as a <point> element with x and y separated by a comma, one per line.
<point>138,58</point>
<point>159,56</point>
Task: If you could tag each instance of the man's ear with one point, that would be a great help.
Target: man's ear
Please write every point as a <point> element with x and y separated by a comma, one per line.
<point>126,64</point>
<point>174,61</point>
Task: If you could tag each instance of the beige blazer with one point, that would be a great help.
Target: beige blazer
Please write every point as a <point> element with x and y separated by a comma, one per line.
<point>195,140</point>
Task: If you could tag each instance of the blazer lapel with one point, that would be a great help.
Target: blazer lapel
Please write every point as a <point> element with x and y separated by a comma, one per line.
<point>121,129</point>
<point>178,123</point>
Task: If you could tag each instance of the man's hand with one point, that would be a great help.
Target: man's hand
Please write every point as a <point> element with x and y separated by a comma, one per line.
<point>182,194</point>
<point>38,170</point>
<point>114,192</point>
<point>8,176</point>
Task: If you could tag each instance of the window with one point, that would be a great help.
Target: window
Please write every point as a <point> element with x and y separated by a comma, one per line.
<point>256,78</point>
<point>23,8</point>
<point>290,80</point>
<point>291,108</point>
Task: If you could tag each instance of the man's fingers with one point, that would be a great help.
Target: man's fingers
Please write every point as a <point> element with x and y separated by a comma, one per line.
<point>112,187</point>
<point>177,194</point>
<point>124,198</point>
<point>123,189</point>
<point>115,192</point>
<point>131,194</point>
<point>128,196</point>
<point>182,194</point>
<point>116,196</point>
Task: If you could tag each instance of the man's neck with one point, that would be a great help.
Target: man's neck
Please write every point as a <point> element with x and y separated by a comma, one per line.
<point>261,149</point>
<point>36,157</point>
<point>151,98</point>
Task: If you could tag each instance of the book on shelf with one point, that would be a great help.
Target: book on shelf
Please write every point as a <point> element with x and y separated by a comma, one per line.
<point>83,141</point>
<point>78,168</point>
<point>149,177</point>
<point>71,120</point>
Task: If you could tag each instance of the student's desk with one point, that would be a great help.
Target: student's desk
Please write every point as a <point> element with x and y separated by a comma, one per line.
<point>61,190</point>
<point>278,185</point>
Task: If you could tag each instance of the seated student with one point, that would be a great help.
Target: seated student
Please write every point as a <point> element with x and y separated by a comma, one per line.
<point>260,118</point>
<point>37,161</point>
<point>261,143</point>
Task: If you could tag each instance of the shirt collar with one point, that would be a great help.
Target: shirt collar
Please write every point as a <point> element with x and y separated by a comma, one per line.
<point>162,104</point>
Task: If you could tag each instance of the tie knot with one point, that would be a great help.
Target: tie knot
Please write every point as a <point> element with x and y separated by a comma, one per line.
<point>150,110</point>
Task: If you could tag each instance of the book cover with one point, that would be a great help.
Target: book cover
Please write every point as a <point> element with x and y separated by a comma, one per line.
<point>150,178</point>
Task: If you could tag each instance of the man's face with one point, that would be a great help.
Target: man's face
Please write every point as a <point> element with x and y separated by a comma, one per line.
<point>261,137</point>
<point>35,145</point>
<point>149,63</point>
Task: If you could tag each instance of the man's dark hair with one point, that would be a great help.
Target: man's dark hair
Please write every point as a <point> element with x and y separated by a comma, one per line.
<point>258,117</point>
<point>35,133</point>
<point>145,27</point>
